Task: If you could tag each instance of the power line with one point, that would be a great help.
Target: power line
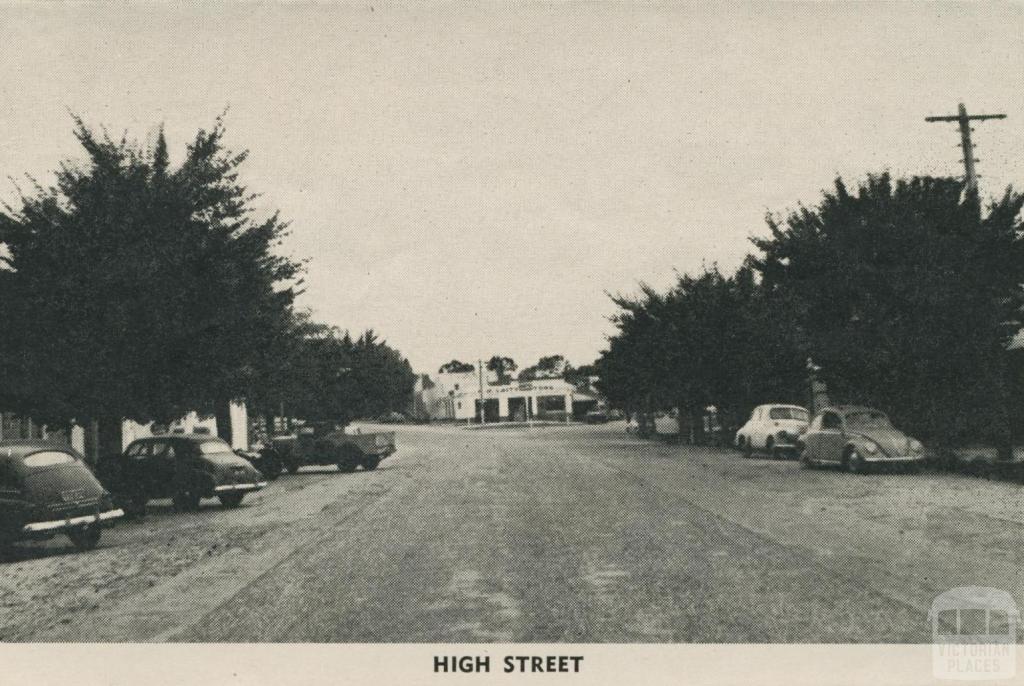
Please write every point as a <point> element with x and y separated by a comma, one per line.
<point>964,119</point>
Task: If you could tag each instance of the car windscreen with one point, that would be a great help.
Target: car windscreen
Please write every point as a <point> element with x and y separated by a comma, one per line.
<point>867,420</point>
<point>789,413</point>
<point>47,459</point>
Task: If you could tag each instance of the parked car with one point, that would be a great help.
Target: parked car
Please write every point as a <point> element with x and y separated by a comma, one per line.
<point>266,461</point>
<point>596,417</point>
<point>323,443</point>
<point>46,489</point>
<point>183,467</point>
<point>391,418</point>
<point>856,438</point>
<point>774,429</point>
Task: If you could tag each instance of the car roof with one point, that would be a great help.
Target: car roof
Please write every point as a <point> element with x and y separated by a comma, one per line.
<point>851,409</point>
<point>191,438</point>
<point>22,447</point>
<point>791,407</point>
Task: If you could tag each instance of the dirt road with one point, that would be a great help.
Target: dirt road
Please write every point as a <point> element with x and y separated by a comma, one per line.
<point>578,533</point>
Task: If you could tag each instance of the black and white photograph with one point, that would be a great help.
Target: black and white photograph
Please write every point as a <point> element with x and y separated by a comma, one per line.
<point>513,339</point>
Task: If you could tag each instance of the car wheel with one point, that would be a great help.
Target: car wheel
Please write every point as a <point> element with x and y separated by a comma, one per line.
<point>186,501</point>
<point>231,500</point>
<point>748,449</point>
<point>804,457</point>
<point>348,460</point>
<point>137,506</point>
<point>86,537</point>
<point>854,462</point>
<point>293,467</point>
<point>270,467</point>
<point>769,447</point>
<point>370,462</point>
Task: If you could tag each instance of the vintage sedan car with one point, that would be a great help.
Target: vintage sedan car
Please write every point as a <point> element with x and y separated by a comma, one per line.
<point>183,467</point>
<point>46,489</point>
<point>856,438</point>
<point>773,429</point>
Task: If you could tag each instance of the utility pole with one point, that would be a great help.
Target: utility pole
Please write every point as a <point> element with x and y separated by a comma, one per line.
<point>483,414</point>
<point>964,119</point>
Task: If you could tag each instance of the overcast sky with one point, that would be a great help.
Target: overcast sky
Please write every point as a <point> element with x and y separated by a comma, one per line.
<point>471,180</point>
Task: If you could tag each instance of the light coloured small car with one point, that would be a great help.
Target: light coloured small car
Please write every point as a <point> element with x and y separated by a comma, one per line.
<point>773,429</point>
<point>856,438</point>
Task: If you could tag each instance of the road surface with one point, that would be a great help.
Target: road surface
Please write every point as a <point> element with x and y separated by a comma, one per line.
<point>543,534</point>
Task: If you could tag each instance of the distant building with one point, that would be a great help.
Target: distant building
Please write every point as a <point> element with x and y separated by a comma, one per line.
<point>457,397</point>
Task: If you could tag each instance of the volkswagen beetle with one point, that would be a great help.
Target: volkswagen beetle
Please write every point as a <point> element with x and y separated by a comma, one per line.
<point>46,489</point>
<point>856,438</point>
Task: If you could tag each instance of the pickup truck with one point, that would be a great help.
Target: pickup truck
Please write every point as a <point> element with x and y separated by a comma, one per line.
<point>323,443</point>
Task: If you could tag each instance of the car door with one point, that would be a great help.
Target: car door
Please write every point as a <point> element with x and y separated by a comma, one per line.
<point>187,463</point>
<point>162,468</point>
<point>758,434</point>
<point>132,475</point>
<point>12,505</point>
<point>744,431</point>
<point>830,437</point>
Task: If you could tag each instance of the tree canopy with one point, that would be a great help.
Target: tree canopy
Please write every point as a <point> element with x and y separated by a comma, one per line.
<point>133,288</point>
<point>136,289</point>
<point>502,367</point>
<point>547,367</point>
<point>340,379</point>
<point>455,367</point>
<point>903,292</point>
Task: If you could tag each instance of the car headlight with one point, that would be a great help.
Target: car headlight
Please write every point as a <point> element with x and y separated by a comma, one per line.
<point>871,447</point>
<point>915,445</point>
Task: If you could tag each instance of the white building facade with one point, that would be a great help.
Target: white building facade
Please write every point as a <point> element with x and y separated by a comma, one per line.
<point>458,397</point>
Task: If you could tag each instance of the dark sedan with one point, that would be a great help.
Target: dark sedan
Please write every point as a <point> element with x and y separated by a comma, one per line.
<point>185,468</point>
<point>855,438</point>
<point>46,489</point>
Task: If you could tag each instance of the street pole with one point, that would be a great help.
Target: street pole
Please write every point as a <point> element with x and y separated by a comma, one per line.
<point>964,120</point>
<point>480,369</point>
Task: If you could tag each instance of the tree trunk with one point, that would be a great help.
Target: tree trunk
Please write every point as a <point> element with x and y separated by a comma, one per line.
<point>109,437</point>
<point>222,413</point>
<point>1004,403</point>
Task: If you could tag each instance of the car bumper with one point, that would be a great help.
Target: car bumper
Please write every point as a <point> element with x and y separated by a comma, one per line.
<point>71,522</point>
<point>234,488</point>
<point>897,459</point>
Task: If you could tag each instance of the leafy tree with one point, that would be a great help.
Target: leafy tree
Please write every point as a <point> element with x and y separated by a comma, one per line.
<point>134,289</point>
<point>580,376</point>
<point>901,292</point>
<point>455,367</point>
<point>341,379</point>
<point>547,367</point>
<point>694,346</point>
<point>285,373</point>
<point>502,367</point>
